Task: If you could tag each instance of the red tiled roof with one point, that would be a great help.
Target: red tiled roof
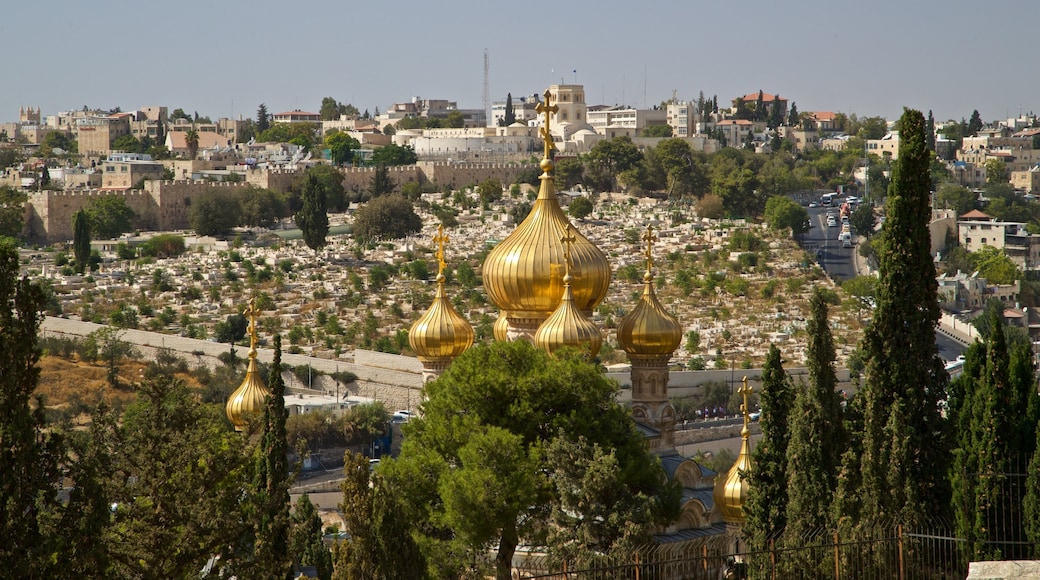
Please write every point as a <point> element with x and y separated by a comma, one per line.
<point>975,215</point>
<point>766,98</point>
<point>824,115</point>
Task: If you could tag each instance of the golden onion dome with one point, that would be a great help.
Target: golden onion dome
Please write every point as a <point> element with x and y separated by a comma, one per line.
<point>441,333</point>
<point>250,397</point>
<point>649,329</point>
<point>568,326</point>
<point>732,491</point>
<point>522,274</point>
<point>501,329</point>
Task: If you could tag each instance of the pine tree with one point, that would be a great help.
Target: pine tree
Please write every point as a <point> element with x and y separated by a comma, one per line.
<point>792,117</point>
<point>975,123</point>
<point>816,432</point>
<point>313,218</point>
<point>272,479</point>
<point>766,507</point>
<point>899,476</point>
<point>81,239</point>
<point>29,454</point>
<point>760,107</point>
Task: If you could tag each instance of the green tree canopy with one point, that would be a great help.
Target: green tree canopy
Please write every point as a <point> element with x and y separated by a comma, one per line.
<point>956,197</point>
<point>657,131</point>
<point>341,146</point>
<point>394,155</point>
<point>580,207</point>
<point>80,239</point>
<point>863,220</point>
<point>12,211</point>
<point>386,217</point>
<point>109,216</point>
<point>261,207</point>
<point>482,468</point>
<point>994,265</point>
<point>329,178</point>
<point>215,213</point>
<point>784,213</point>
<point>610,158</point>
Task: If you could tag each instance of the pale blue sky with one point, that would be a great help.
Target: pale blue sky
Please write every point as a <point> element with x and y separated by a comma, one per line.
<point>225,57</point>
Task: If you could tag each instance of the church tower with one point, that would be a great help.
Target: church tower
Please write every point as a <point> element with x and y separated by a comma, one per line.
<point>731,491</point>
<point>650,335</point>
<point>523,275</point>
<point>441,334</point>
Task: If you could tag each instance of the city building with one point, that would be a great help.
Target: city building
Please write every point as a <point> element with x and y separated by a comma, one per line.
<point>296,116</point>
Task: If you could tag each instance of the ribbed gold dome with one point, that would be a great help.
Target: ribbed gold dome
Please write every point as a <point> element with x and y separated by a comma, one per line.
<point>649,329</point>
<point>568,326</point>
<point>523,274</point>
<point>732,491</point>
<point>441,333</point>
<point>250,397</point>
<point>501,329</point>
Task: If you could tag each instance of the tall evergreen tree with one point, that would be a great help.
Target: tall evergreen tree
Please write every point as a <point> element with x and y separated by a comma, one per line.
<point>766,507</point>
<point>381,184</point>
<point>81,239</point>
<point>995,442</point>
<point>313,217</point>
<point>900,474</point>
<point>263,119</point>
<point>975,123</point>
<point>816,439</point>
<point>29,454</point>
<point>929,131</point>
<point>510,115</point>
<point>306,543</point>
<point>272,479</point>
<point>760,107</point>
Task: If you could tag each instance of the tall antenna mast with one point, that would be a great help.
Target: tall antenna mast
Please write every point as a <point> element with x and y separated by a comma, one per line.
<point>487,88</point>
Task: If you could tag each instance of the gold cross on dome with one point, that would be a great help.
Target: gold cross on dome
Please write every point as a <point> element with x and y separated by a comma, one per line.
<point>649,238</point>
<point>440,239</point>
<point>252,313</point>
<point>745,390</point>
<point>567,239</point>
<point>548,110</point>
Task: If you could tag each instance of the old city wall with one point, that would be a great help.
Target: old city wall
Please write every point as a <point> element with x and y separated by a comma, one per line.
<point>173,199</point>
<point>50,212</point>
<point>166,205</point>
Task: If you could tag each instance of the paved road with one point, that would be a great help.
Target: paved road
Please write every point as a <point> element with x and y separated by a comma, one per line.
<point>839,262</point>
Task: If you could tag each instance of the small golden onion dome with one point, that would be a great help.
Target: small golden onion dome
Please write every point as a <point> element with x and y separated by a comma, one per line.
<point>501,329</point>
<point>441,332</point>
<point>522,273</point>
<point>568,326</point>
<point>649,329</point>
<point>732,491</point>
<point>251,396</point>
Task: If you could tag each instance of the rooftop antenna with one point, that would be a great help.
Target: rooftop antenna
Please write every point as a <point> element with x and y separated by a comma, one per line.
<point>487,87</point>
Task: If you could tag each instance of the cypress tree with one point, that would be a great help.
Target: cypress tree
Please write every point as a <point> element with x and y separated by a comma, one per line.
<point>272,479</point>
<point>816,439</point>
<point>313,217</point>
<point>900,474</point>
<point>29,455</point>
<point>81,239</point>
<point>765,510</point>
<point>994,441</point>
<point>510,114</point>
<point>930,131</point>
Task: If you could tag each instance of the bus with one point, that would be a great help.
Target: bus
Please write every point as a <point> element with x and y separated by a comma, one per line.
<point>827,198</point>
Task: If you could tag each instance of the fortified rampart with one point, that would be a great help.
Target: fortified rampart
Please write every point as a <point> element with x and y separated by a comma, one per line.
<point>165,205</point>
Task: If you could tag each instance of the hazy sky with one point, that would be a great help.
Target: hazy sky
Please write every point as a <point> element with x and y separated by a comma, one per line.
<point>225,57</point>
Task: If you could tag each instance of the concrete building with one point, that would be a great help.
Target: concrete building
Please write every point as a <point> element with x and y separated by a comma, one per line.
<point>735,131</point>
<point>95,135</point>
<point>523,110</point>
<point>296,116</point>
<point>614,121</point>
<point>123,171</point>
<point>886,147</point>
<point>976,230</point>
<point>1027,181</point>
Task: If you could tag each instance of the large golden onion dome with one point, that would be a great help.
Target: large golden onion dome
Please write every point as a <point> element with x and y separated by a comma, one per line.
<point>732,491</point>
<point>523,274</point>
<point>441,333</point>
<point>649,329</point>
<point>568,326</point>
<point>249,398</point>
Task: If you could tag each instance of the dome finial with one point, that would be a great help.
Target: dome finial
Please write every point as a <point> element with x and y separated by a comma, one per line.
<point>567,239</point>
<point>252,312</point>
<point>440,239</point>
<point>649,238</point>
<point>745,390</point>
<point>546,135</point>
